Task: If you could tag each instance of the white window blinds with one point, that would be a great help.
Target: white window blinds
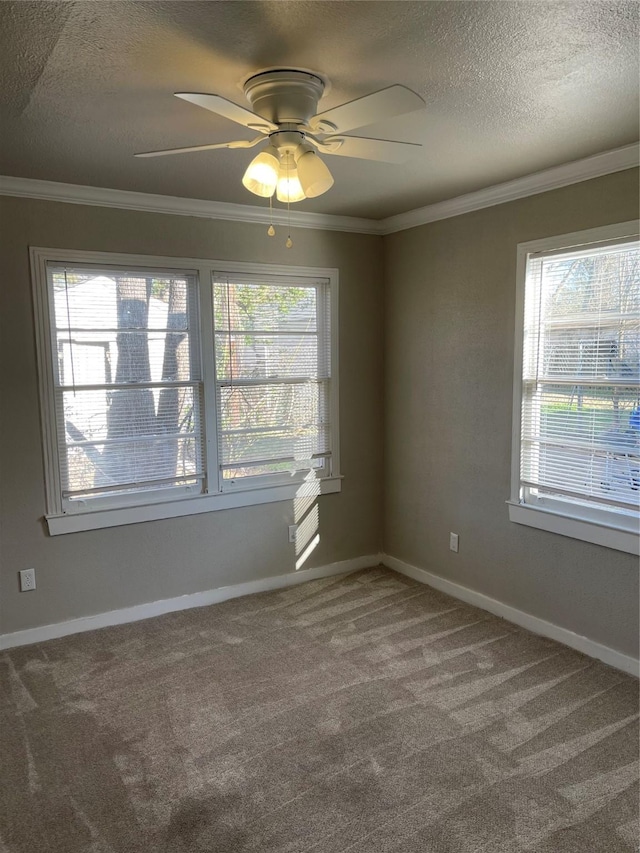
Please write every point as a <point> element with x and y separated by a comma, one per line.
<point>127,380</point>
<point>580,433</point>
<point>273,372</point>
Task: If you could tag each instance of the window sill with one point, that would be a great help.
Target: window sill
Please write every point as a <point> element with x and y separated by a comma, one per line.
<point>609,536</point>
<point>116,517</point>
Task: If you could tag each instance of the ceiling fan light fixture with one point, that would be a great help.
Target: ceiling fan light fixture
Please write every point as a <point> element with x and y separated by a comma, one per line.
<point>261,176</point>
<point>313,173</point>
<point>289,187</point>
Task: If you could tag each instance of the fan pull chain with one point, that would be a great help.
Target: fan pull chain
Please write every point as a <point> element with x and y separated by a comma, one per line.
<point>271,231</point>
<point>289,242</point>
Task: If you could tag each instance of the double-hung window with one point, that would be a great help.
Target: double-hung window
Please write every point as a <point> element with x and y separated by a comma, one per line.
<point>172,387</point>
<point>576,455</point>
<point>273,376</point>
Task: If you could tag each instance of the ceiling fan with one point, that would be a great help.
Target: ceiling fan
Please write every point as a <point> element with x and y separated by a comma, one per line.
<point>285,103</point>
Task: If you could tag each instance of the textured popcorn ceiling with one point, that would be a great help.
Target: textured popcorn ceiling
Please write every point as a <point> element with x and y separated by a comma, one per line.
<point>511,88</point>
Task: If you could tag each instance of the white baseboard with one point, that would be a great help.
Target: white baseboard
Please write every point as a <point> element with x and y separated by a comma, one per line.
<point>181,602</point>
<point>214,596</point>
<point>518,617</point>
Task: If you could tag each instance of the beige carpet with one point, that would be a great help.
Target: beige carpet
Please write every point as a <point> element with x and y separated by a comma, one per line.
<point>365,713</point>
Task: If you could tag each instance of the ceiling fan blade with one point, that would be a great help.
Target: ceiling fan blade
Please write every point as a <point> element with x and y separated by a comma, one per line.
<point>384,104</point>
<point>228,109</point>
<point>239,143</point>
<point>369,149</point>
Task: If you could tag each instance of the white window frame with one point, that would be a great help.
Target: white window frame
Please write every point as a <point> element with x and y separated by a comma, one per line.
<point>246,483</point>
<point>178,501</point>
<point>557,515</point>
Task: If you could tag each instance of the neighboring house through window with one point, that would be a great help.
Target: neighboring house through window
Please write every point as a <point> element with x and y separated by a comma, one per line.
<point>174,386</point>
<point>576,455</point>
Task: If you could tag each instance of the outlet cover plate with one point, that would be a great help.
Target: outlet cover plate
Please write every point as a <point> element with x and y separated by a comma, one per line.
<point>27,580</point>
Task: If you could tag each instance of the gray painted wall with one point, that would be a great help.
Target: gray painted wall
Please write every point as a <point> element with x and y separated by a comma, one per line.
<point>449,315</point>
<point>84,573</point>
<point>446,316</point>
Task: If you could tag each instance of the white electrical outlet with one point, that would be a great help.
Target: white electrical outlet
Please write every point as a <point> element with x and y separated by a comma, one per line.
<point>293,530</point>
<point>453,542</point>
<point>27,580</point>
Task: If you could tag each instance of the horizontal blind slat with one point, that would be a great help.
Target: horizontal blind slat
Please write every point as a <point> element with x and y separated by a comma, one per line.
<point>135,485</point>
<point>550,490</point>
<point>276,460</point>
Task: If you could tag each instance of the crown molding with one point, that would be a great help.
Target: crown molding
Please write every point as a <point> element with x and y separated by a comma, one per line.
<point>177,206</point>
<point>554,178</point>
<point>595,166</point>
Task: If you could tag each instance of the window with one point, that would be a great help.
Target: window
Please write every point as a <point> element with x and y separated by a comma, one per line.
<point>273,368</point>
<point>576,465</point>
<point>172,387</point>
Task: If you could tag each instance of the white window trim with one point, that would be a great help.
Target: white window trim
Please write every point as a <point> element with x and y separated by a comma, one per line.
<point>195,505</point>
<point>168,505</point>
<point>556,516</point>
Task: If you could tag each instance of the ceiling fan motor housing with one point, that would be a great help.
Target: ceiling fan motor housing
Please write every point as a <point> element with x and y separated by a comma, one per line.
<point>285,96</point>
<point>287,140</point>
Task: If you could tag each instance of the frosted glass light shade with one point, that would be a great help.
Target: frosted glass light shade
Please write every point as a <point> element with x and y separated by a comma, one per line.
<point>289,188</point>
<point>315,177</point>
<point>261,177</point>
